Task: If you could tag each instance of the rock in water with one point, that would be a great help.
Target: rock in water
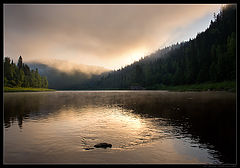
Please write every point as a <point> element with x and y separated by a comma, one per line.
<point>103,145</point>
<point>88,148</point>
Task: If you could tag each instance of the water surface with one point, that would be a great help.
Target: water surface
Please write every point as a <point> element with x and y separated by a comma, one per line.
<point>142,126</point>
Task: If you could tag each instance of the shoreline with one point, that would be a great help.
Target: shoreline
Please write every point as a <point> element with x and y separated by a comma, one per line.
<point>20,89</point>
<point>228,86</point>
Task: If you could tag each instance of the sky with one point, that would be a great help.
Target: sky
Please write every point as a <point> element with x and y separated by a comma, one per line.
<point>109,36</point>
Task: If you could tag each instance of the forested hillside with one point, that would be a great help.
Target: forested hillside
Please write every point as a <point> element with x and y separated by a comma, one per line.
<point>61,80</point>
<point>210,57</point>
<point>21,75</point>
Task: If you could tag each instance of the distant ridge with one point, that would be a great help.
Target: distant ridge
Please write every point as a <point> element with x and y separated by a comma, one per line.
<point>66,76</point>
<point>210,57</point>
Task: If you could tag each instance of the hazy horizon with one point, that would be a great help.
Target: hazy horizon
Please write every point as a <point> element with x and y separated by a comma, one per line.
<point>109,36</point>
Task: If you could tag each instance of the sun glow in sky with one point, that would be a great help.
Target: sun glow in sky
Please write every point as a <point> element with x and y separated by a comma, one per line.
<point>134,55</point>
<point>107,35</point>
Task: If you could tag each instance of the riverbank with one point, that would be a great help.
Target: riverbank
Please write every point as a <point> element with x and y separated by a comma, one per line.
<point>220,86</point>
<point>20,89</point>
<point>229,86</point>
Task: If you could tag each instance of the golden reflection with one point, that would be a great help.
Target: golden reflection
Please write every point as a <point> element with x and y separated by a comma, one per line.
<point>94,124</point>
<point>63,127</point>
<point>113,116</point>
<point>131,120</point>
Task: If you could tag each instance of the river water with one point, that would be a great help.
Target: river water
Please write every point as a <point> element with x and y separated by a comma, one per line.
<point>143,127</point>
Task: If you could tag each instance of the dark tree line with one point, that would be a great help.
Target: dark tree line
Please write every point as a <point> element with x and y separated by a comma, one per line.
<point>210,57</point>
<point>20,75</point>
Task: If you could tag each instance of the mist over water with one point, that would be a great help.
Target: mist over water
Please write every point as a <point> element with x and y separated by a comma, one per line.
<point>142,126</point>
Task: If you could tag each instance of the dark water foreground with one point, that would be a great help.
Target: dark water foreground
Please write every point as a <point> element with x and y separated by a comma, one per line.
<point>142,126</point>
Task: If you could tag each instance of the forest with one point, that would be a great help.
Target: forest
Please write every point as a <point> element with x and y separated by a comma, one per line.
<point>210,57</point>
<point>21,75</point>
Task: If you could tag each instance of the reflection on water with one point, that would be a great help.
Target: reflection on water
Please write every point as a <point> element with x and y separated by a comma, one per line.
<point>143,127</point>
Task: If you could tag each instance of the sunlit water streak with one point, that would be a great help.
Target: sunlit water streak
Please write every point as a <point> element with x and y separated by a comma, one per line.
<point>63,127</point>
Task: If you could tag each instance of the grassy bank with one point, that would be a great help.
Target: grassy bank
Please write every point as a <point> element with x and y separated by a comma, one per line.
<point>20,89</point>
<point>220,86</point>
<point>229,86</point>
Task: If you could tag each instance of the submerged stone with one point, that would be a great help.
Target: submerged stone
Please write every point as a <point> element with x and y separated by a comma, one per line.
<point>88,148</point>
<point>103,145</point>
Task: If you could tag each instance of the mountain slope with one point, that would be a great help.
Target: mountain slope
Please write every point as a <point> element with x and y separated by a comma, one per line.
<point>66,76</point>
<point>211,56</point>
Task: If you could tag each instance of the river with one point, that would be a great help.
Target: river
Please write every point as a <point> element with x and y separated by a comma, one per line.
<point>143,127</point>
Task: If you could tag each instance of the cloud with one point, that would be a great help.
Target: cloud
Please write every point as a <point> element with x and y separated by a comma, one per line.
<point>105,35</point>
<point>71,68</point>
